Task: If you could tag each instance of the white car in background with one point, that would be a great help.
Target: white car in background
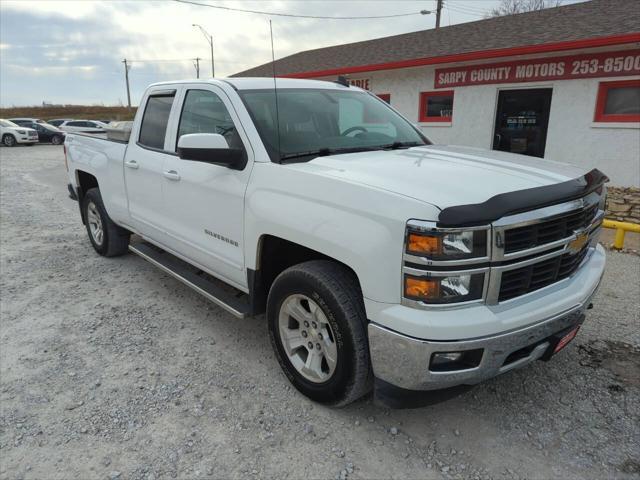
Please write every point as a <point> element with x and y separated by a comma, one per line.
<point>59,121</point>
<point>82,126</point>
<point>12,134</point>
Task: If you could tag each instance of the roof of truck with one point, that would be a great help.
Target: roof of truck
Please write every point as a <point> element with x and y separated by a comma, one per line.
<point>259,83</point>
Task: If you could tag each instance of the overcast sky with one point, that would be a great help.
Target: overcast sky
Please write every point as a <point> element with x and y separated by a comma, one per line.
<point>72,51</point>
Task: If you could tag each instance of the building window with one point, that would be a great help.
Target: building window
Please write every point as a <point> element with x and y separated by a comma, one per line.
<point>436,106</point>
<point>618,101</point>
<point>384,96</point>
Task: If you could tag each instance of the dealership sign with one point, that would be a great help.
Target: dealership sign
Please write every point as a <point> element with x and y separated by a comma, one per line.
<point>609,64</point>
<point>360,82</point>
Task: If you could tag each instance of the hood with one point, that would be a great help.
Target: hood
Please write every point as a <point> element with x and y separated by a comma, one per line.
<point>444,176</point>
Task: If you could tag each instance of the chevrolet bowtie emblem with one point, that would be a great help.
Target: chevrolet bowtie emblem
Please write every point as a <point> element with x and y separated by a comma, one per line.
<point>577,243</point>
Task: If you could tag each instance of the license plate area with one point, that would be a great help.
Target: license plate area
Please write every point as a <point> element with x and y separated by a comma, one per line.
<point>560,340</point>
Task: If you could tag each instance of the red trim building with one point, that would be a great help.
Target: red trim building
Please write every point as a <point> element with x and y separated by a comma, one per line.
<point>561,83</point>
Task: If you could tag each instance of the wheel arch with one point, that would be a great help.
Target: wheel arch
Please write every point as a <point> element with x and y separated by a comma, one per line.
<point>84,182</point>
<point>274,255</point>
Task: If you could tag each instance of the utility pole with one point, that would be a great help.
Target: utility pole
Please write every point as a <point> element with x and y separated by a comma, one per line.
<point>438,12</point>
<point>209,38</point>
<point>196,63</point>
<point>126,77</point>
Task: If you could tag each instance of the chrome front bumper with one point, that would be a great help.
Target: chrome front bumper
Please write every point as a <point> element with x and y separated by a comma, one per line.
<point>405,361</point>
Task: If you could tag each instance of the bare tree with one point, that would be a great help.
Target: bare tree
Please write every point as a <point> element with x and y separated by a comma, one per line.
<point>511,7</point>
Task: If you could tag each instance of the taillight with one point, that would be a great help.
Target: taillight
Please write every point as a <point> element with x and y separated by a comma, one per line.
<point>66,165</point>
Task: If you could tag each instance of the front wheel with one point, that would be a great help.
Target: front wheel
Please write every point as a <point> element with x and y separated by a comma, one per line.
<point>8,140</point>
<point>107,238</point>
<point>56,140</point>
<point>317,326</point>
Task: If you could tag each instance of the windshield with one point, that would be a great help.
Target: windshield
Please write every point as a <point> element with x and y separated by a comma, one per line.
<point>317,122</point>
<point>7,123</point>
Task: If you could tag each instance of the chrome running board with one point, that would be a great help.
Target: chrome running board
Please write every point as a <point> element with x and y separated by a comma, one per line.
<point>232,300</point>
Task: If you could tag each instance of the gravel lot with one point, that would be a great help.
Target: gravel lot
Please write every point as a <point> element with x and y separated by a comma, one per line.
<point>110,369</point>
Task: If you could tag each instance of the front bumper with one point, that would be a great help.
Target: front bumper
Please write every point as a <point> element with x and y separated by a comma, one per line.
<point>405,361</point>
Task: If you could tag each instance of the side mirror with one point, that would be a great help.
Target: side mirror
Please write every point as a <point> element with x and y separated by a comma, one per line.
<point>211,148</point>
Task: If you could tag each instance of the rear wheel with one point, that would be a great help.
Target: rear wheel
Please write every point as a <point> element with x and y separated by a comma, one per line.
<point>56,140</point>
<point>8,140</point>
<point>317,326</point>
<point>107,238</point>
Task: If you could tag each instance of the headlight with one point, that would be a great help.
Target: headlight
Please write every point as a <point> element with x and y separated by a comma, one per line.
<point>21,132</point>
<point>451,288</point>
<point>447,245</point>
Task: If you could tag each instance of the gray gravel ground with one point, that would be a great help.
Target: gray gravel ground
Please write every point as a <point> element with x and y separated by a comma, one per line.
<point>113,370</point>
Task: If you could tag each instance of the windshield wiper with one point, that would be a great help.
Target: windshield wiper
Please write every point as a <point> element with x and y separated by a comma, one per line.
<point>397,145</point>
<point>323,152</point>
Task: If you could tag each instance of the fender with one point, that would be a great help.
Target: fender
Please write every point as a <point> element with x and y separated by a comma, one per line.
<point>355,224</point>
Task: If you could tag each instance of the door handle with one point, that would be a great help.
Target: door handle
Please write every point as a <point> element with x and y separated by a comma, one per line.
<point>132,164</point>
<point>171,175</point>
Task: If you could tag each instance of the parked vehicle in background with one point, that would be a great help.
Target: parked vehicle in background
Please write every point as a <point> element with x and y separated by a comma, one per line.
<point>81,126</point>
<point>11,134</point>
<point>46,132</point>
<point>379,258</point>
<point>103,123</point>
<point>26,119</point>
<point>58,121</point>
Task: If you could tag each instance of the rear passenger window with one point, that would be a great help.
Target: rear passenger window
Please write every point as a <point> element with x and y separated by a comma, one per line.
<point>204,112</point>
<point>154,121</point>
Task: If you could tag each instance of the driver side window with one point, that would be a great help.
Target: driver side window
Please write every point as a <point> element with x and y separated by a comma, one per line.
<point>204,112</point>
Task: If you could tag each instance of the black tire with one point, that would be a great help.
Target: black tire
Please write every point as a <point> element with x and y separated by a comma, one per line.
<point>56,140</point>
<point>114,239</point>
<point>8,140</point>
<point>335,290</point>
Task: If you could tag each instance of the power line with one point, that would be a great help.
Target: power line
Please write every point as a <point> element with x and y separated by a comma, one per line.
<point>467,12</point>
<point>260,12</point>
<point>162,61</point>
<point>464,6</point>
<point>466,9</point>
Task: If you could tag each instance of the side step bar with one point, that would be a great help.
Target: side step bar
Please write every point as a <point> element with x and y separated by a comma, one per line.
<point>198,281</point>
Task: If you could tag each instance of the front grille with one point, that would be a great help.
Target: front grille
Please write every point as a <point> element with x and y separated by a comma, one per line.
<point>530,236</point>
<point>521,281</point>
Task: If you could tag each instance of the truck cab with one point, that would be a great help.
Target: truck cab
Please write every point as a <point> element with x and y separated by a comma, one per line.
<point>379,259</point>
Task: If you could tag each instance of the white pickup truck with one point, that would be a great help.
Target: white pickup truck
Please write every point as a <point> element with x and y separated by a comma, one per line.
<point>379,259</point>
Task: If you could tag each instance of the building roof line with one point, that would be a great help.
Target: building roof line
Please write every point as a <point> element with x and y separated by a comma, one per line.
<point>594,42</point>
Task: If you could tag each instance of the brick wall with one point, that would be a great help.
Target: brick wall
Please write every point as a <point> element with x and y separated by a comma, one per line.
<point>623,204</point>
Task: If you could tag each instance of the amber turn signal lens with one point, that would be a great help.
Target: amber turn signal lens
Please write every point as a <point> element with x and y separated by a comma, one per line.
<point>424,244</point>
<point>421,288</point>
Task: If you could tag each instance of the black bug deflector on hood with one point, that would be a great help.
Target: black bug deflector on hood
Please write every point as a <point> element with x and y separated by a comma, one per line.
<point>520,201</point>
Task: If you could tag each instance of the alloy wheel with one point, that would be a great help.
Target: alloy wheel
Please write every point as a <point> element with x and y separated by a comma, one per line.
<point>95,223</point>
<point>307,338</point>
